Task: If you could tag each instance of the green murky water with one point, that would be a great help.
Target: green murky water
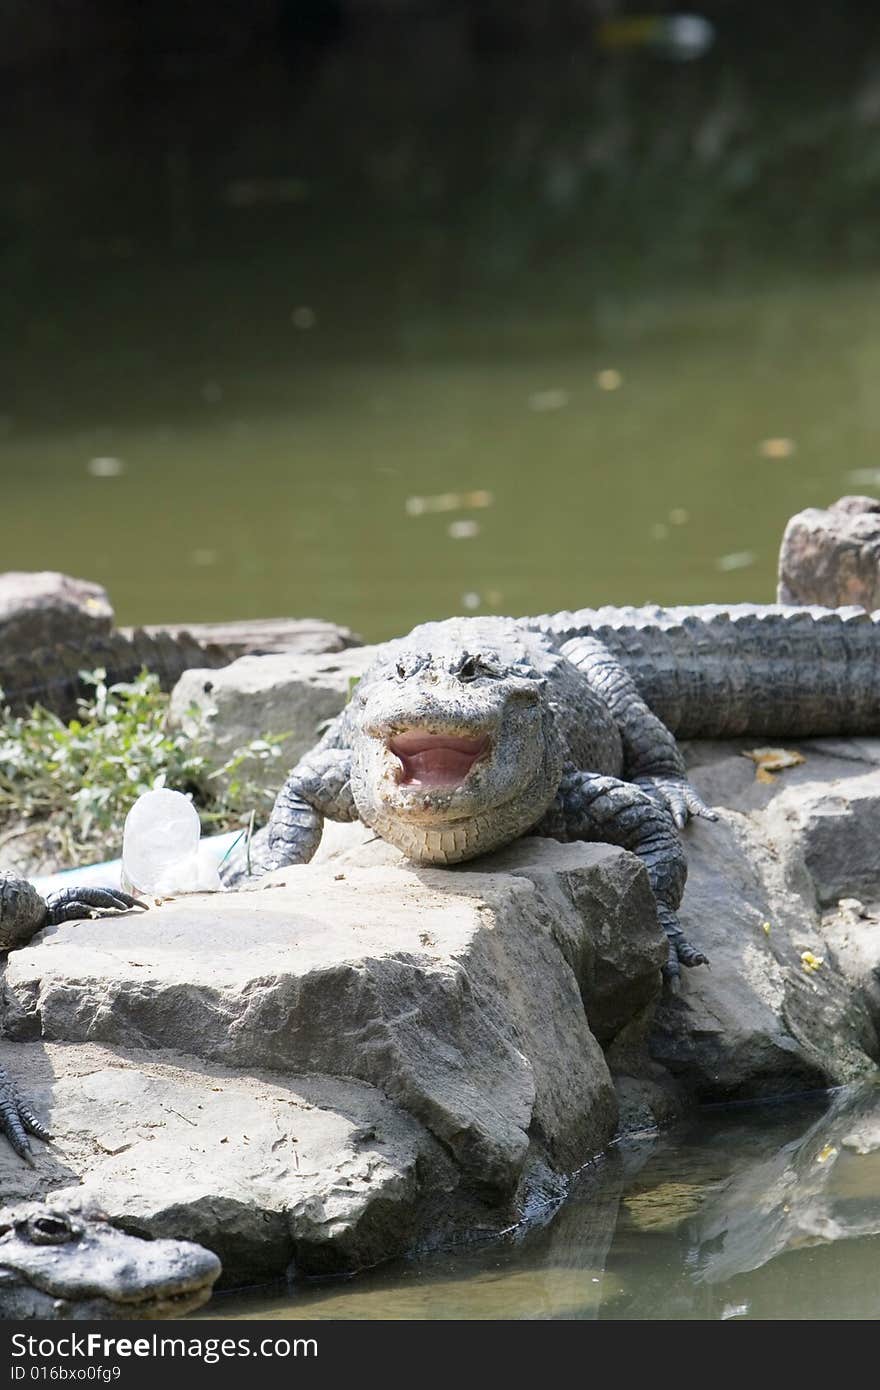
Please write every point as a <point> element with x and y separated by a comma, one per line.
<point>763,1212</point>
<point>252,307</point>
<point>288,495</point>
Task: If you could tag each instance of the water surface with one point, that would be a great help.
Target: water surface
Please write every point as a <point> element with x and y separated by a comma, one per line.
<point>757,1212</point>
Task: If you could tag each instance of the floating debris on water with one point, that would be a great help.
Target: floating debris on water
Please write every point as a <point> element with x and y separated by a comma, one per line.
<point>212,392</point>
<point>204,558</point>
<point>770,760</point>
<point>781,448</point>
<point>823,1155</point>
<point>865,475</point>
<point>736,560</point>
<point>609,379</point>
<point>463,530</point>
<point>303,317</point>
<point>105,467</point>
<point>765,928</point>
<point>449,502</point>
<point>554,399</point>
<point>470,600</point>
<point>679,516</point>
<point>659,531</point>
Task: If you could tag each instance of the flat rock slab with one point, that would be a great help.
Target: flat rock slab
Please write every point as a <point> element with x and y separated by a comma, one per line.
<point>458,993</point>
<point>318,1172</point>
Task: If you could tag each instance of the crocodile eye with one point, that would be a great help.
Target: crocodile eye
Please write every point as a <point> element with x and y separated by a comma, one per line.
<point>469,668</point>
<point>49,1230</point>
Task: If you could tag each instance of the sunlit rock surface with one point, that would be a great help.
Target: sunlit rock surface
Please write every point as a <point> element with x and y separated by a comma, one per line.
<point>832,556</point>
<point>780,1009</point>
<point>39,608</point>
<point>452,1005</point>
<point>290,694</point>
<point>361,1055</point>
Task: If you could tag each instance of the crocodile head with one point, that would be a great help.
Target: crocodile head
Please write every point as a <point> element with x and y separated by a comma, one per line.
<point>22,912</point>
<point>59,1260</point>
<point>456,750</point>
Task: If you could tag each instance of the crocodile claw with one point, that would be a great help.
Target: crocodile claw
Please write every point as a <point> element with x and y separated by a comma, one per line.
<point>681,952</point>
<point>72,904</point>
<point>17,1120</point>
<point>679,798</point>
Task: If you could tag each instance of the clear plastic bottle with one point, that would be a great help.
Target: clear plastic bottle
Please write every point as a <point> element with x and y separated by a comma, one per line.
<point>160,847</point>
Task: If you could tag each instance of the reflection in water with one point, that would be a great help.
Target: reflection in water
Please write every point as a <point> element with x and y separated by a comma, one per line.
<point>759,1212</point>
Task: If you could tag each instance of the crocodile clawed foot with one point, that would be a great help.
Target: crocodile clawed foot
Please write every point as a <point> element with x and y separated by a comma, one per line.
<point>74,904</point>
<point>17,1121</point>
<point>681,952</point>
<point>678,796</point>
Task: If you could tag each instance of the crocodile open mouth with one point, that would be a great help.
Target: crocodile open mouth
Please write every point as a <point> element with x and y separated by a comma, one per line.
<point>435,760</point>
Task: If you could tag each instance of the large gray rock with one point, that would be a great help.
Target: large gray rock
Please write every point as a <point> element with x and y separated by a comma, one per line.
<point>832,556</point>
<point>458,993</point>
<point>835,828</point>
<point>447,1018</point>
<point>778,1010</point>
<point>42,608</point>
<point>322,1172</point>
<point>851,930</point>
<point>291,694</point>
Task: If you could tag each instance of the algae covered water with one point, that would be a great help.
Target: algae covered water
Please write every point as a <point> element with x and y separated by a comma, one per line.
<point>756,1212</point>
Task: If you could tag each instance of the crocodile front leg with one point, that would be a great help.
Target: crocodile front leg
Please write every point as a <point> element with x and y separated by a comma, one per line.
<point>602,809</point>
<point>23,912</point>
<point>653,758</point>
<point>76,904</point>
<point>318,787</point>
<point>17,1120</point>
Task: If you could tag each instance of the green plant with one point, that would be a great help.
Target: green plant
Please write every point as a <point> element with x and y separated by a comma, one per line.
<point>79,779</point>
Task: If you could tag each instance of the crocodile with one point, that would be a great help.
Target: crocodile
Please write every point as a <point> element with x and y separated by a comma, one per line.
<point>65,1260</point>
<point>470,732</point>
<point>52,675</point>
<point>24,912</point>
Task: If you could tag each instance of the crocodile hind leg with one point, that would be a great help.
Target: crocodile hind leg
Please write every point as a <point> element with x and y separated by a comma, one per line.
<point>597,808</point>
<point>318,787</point>
<point>653,758</point>
<point>17,1120</point>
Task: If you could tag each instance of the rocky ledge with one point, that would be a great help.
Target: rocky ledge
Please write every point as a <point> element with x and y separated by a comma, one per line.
<point>363,1056</point>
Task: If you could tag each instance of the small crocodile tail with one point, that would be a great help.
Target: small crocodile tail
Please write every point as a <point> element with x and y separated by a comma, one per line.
<point>713,672</point>
<point>50,676</point>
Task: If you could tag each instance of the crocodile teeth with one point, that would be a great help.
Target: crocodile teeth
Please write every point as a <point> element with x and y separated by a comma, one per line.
<point>435,760</point>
